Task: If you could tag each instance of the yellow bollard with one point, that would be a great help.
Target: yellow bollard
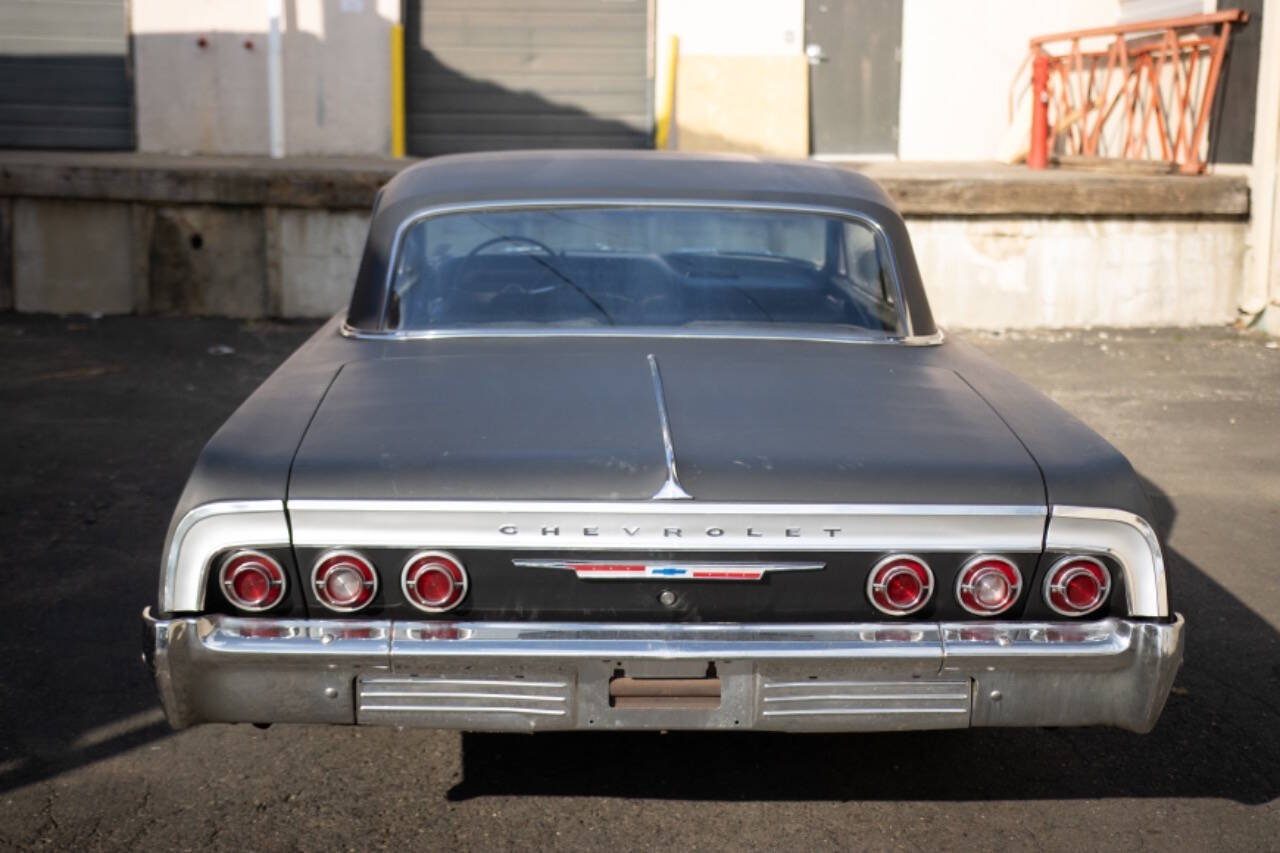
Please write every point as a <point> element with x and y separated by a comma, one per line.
<point>397,90</point>
<point>667,97</point>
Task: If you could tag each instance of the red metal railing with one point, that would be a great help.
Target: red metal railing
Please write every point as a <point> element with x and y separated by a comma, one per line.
<point>1138,91</point>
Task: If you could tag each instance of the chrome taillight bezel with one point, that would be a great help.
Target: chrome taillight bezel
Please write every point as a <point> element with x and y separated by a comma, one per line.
<point>330,561</point>
<point>877,586</point>
<point>409,577</point>
<point>243,560</point>
<point>972,571</point>
<point>1053,584</point>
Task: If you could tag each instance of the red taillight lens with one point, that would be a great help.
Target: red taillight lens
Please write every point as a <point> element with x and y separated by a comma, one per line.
<point>344,581</point>
<point>1077,585</point>
<point>988,585</point>
<point>252,581</point>
<point>434,581</point>
<point>900,584</point>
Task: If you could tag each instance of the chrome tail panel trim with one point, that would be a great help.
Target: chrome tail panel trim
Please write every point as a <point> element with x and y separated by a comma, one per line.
<point>601,526</point>
<point>1126,537</point>
<point>518,676</point>
<point>613,568</point>
<point>671,489</point>
<point>202,533</point>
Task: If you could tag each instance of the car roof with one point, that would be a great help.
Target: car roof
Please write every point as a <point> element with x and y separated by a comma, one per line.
<point>534,175</point>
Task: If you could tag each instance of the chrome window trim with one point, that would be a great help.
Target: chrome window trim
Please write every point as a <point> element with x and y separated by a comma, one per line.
<point>656,332</point>
<point>906,335</point>
<point>1125,537</point>
<point>206,530</point>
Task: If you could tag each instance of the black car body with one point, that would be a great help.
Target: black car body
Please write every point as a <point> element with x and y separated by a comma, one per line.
<point>618,440</point>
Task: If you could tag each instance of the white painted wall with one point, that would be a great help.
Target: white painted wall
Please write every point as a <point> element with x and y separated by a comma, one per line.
<point>1052,273</point>
<point>741,78</point>
<point>1262,270</point>
<point>958,61</point>
<point>733,27</point>
<point>212,99</point>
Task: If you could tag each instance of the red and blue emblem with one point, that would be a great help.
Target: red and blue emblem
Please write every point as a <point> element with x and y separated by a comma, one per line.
<point>634,570</point>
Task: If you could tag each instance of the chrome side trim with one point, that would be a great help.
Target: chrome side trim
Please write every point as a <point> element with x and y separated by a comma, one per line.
<point>1125,537</point>
<point>671,490</point>
<point>202,533</point>
<point>904,314</point>
<point>600,526</point>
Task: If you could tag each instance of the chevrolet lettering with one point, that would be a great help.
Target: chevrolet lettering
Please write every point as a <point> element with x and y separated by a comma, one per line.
<point>618,440</point>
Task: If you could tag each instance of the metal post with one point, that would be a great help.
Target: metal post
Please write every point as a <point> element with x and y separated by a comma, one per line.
<point>275,80</point>
<point>1038,153</point>
<point>667,97</point>
<point>397,91</point>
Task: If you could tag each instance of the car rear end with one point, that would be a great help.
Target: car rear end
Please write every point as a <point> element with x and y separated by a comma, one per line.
<point>538,615</point>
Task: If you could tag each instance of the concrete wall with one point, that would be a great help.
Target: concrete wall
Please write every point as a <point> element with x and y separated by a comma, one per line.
<point>211,99</point>
<point>207,260</point>
<point>1029,272</point>
<point>251,261</point>
<point>742,81</point>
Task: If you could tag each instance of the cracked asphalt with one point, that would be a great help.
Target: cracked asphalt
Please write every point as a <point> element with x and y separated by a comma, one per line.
<point>102,420</point>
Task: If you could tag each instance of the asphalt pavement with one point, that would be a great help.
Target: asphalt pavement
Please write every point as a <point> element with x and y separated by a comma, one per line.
<point>100,421</point>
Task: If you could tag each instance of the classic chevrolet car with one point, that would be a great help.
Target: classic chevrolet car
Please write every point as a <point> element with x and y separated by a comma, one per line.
<point>647,441</point>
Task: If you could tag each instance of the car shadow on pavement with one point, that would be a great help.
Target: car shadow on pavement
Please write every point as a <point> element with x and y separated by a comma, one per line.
<point>1216,738</point>
<point>102,422</point>
<point>103,419</point>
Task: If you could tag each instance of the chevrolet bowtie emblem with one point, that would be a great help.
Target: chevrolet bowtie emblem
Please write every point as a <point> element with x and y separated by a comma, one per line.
<point>633,570</point>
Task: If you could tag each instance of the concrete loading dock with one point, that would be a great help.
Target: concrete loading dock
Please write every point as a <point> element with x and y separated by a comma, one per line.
<point>999,247</point>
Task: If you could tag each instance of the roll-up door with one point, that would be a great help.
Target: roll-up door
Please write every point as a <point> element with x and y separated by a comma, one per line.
<point>496,74</point>
<point>64,75</point>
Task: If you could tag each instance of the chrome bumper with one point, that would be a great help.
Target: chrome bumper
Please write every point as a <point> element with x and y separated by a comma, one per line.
<point>532,676</point>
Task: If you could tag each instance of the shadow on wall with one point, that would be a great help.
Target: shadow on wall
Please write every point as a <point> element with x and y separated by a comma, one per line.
<point>66,101</point>
<point>450,111</point>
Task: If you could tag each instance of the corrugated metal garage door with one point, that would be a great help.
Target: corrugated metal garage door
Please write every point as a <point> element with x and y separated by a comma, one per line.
<point>64,74</point>
<point>493,74</point>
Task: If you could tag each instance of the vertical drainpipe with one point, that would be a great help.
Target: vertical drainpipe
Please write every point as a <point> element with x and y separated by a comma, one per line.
<point>275,79</point>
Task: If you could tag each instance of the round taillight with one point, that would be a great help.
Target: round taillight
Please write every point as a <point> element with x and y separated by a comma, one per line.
<point>1077,585</point>
<point>252,581</point>
<point>988,585</point>
<point>434,581</point>
<point>344,581</point>
<point>900,584</point>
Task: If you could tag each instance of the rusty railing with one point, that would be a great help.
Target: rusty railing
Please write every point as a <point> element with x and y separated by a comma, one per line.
<point>1140,91</point>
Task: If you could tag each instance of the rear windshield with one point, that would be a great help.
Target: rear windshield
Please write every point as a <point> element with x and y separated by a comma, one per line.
<point>642,267</point>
